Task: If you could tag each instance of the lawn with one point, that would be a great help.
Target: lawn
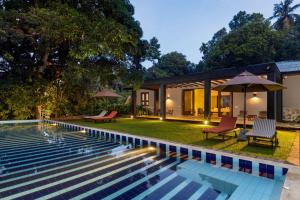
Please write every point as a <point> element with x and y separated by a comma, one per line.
<point>191,134</point>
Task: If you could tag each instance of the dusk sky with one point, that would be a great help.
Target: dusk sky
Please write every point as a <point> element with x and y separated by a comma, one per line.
<point>182,25</point>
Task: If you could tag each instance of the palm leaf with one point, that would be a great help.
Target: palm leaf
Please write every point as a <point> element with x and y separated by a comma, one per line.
<point>294,7</point>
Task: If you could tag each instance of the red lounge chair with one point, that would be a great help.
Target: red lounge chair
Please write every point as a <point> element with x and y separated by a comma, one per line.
<point>227,125</point>
<point>109,117</point>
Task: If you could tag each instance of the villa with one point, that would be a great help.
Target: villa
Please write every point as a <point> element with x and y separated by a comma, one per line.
<point>192,97</point>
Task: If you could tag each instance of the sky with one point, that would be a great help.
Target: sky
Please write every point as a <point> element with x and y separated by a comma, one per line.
<point>183,25</point>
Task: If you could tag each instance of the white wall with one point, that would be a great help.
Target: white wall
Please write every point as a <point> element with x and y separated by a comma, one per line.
<point>254,104</point>
<point>175,101</point>
<point>291,95</point>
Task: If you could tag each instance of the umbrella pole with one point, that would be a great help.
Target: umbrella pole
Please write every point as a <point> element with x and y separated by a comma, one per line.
<point>245,105</point>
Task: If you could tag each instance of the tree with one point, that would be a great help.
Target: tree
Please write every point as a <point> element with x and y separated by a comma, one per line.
<point>242,18</point>
<point>290,48</point>
<point>60,49</point>
<point>283,13</point>
<point>153,52</point>
<point>170,64</point>
<point>251,41</point>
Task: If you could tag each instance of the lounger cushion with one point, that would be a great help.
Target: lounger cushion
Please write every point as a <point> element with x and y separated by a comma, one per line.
<point>218,130</point>
<point>264,128</point>
<point>226,124</point>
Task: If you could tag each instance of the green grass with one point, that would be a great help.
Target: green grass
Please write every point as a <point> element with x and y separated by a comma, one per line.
<point>191,134</point>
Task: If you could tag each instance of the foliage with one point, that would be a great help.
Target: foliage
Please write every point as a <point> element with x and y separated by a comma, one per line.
<point>251,40</point>
<point>64,51</point>
<point>283,13</point>
<point>170,64</point>
<point>290,48</point>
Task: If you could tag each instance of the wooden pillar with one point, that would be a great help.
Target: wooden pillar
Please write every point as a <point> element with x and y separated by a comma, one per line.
<point>279,100</point>
<point>156,102</point>
<point>207,98</point>
<point>162,97</point>
<point>133,102</point>
<point>271,98</point>
<point>219,104</point>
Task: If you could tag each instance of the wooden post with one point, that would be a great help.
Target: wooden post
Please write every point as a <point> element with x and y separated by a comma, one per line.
<point>279,99</point>
<point>162,96</point>
<point>207,99</point>
<point>271,98</point>
<point>133,102</point>
<point>156,102</point>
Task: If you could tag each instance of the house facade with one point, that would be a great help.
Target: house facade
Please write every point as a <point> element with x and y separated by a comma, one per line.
<point>193,97</point>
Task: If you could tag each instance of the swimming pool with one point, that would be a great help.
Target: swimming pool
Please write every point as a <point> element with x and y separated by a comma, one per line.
<point>46,161</point>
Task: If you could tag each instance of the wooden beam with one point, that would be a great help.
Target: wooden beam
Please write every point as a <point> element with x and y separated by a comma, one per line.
<point>223,73</point>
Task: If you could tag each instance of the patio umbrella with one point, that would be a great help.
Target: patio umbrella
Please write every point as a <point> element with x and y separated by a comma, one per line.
<point>248,82</point>
<point>107,93</point>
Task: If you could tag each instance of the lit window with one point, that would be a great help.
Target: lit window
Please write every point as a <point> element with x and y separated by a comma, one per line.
<point>145,98</point>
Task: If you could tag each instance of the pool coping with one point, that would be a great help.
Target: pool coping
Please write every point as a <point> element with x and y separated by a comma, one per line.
<point>240,156</point>
<point>291,183</point>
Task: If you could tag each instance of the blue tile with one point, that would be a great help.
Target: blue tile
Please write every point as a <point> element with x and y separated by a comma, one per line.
<point>270,171</point>
<point>162,149</point>
<point>227,162</point>
<point>153,144</point>
<point>184,152</point>
<point>284,171</point>
<point>123,139</point>
<point>245,166</point>
<point>196,155</point>
<point>211,158</point>
<point>266,170</point>
<point>118,138</point>
<point>172,149</point>
<point>137,142</point>
<point>145,143</point>
<point>130,140</point>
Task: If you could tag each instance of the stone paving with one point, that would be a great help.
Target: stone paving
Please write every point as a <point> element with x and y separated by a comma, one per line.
<point>294,157</point>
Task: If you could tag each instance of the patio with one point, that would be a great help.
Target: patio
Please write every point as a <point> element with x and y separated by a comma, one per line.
<point>191,133</point>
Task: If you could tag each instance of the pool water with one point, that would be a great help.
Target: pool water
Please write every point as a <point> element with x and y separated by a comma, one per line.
<point>40,161</point>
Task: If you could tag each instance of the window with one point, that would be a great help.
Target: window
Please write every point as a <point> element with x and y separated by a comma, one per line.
<point>145,98</point>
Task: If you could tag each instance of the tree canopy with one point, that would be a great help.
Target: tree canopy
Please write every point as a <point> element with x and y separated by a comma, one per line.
<point>251,39</point>
<point>57,53</point>
<point>170,64</point>
<point>284,14</point>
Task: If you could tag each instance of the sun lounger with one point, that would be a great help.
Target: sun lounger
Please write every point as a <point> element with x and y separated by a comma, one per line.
<point>102,114</point>
<point>109,117</point>
<point>227,125</point>
<point>263,129</point>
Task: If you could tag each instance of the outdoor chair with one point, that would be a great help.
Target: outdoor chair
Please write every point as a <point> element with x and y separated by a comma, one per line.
<point>241,114</point>
<point>263,114</point>
<point>102,114</point>
<point>264,130</point>
<point>112,116</point>
<point>227,125</point>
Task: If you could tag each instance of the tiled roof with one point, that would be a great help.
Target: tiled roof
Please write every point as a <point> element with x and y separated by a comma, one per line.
<point>289,66</point>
